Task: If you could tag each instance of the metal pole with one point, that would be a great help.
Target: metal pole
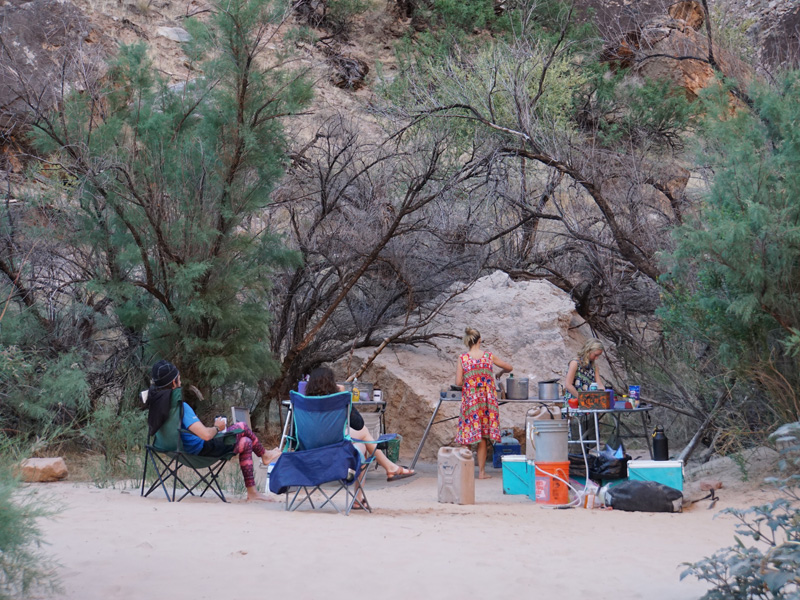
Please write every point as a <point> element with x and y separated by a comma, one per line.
<point>425,435</point>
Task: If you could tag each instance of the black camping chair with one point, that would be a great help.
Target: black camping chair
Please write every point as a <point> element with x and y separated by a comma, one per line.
<point>165,452</point>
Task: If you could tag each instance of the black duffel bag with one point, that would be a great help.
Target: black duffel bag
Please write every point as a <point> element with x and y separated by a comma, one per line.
<point>647,496</point>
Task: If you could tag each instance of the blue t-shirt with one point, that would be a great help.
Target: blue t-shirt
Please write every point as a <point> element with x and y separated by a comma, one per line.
<point>191,443</point>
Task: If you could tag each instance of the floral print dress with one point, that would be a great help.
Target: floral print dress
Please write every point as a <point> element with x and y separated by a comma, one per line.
<point>479,412</point>
<point>584,377</point>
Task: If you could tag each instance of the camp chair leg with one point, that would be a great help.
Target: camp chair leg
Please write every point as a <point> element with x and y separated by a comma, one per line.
<point>211,482</point>
<point>166,467</point>
<point>291,506</point>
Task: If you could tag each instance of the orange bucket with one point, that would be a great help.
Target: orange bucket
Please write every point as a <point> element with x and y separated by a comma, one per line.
<point>550,490</point>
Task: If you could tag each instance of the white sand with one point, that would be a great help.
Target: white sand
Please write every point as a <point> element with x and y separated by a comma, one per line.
<point>113,544</point>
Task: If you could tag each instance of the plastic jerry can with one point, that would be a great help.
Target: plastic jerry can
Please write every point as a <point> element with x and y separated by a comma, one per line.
<point>456,473</point>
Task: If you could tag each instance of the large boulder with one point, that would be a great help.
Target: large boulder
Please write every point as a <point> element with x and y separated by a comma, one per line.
<point>531,324</point>
<point>44,469</point>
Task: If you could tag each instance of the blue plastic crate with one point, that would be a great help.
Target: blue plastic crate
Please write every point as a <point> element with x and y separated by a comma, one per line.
<point>501,450</point>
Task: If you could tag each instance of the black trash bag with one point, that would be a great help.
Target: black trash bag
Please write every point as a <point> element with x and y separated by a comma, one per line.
<point>646,496</point>
<point>577,468</point>
<point>603,467</point>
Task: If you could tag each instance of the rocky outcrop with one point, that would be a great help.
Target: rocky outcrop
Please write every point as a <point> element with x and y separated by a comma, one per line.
<point>532,324</point>
<point>47,46</point>
<point>674,47</point>
<point>44,469</point>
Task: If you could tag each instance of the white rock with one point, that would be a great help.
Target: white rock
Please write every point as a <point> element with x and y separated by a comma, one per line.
<point>176,34</point>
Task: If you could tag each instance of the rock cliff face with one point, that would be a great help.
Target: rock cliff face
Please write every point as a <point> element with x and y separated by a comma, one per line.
<point>531,324</point>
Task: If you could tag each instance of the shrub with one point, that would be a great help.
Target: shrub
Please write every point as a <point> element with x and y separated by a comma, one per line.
<point>24,568</point>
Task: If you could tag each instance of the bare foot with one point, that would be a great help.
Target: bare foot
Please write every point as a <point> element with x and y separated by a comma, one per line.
<point>484,476</point>
<point>256,497</point>
<point>270,456</point>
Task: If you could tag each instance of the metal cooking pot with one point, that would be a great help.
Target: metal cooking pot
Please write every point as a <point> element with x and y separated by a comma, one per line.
<point>549,390</point>
<point>517,388</point>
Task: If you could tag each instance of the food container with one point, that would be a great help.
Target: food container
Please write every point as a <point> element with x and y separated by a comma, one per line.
<point>517,388</point>
<point>365,389</point>
<point>549,390</point>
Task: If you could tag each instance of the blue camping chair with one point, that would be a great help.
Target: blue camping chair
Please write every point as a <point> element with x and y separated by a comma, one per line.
<point>319,452</point>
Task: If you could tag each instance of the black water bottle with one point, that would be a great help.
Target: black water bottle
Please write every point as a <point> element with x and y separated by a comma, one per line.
<point>660,444</point>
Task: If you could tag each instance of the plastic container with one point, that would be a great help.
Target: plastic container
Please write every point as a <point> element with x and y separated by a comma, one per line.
<point>501,450</point>
<point>301,386</point>
<point>456,474</point>
<point>364,389</point>
<point>515,475</point>
<point>547,440</point>
<point>548,485</point>
<point>666,472</point>
<point>393,449</point>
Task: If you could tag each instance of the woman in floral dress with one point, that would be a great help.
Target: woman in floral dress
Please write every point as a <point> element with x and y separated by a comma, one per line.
<point>479,413</point>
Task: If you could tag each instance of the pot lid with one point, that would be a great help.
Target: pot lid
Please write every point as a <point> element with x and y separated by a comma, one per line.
<point>550,381</point>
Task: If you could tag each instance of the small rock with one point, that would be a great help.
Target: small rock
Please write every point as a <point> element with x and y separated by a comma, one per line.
<point>44,469</point>
<point>176,34</point>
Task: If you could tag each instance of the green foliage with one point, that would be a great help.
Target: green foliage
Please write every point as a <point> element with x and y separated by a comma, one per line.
<point>172,182</point>
<point>339,14</point>
<point>24,568</point>
<point>654,110</point>
<point>39,393</point>
<point>769,568</point>
<point>465,15</point>
<point>733,281</point>
<point>119,435</point>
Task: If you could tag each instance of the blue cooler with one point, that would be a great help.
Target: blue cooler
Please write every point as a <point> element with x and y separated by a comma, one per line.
<point>507,446</point>
<point>667,472</point>
<point>515,475</point>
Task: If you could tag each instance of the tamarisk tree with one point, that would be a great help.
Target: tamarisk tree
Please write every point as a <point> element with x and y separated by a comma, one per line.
<point>169,182</point>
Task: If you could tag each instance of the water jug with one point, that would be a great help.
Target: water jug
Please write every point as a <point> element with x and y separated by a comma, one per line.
<point>660,444</point>
<point>456,468</point>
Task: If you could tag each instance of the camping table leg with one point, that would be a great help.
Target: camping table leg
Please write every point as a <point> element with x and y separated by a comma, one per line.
<point>647,435</point>
<point>425,434</point>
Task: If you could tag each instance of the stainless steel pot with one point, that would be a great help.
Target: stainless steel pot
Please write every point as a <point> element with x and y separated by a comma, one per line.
<point>549,390</point>
<point>517,388</point>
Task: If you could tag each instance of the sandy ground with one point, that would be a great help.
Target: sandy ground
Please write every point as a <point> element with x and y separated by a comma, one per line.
<point>113,544</point>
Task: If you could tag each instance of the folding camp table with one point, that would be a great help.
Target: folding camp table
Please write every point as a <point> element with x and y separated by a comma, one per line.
<point>455,396</point>
<point>621,429</point>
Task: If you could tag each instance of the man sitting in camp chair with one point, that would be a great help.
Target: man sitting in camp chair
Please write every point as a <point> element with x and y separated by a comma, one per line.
<point>197,438</point>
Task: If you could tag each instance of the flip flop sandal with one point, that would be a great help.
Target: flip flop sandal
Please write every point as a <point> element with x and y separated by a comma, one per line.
<point>401,474</point>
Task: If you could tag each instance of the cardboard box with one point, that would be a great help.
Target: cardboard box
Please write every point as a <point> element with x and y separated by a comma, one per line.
<point>666,472</point>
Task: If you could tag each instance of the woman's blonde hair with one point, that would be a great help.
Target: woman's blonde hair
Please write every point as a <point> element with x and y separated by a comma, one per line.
<point>471,337</point>
<point>590,346</point>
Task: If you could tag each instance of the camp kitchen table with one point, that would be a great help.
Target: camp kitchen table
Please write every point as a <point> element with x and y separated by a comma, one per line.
<point>597,414</point>
<point>378,406</point>
<point>454,396</point>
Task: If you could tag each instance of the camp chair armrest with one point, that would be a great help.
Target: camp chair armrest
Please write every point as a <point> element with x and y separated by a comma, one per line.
<point>219,434</point>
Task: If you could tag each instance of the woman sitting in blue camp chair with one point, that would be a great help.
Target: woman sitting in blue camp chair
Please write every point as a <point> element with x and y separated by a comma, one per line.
<point>199,439</point>
<point>322,383</point>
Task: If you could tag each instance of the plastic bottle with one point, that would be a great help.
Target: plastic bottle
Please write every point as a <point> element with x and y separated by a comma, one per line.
<point>356,392</point>
<point>593,387</point>
<point>660,444</point>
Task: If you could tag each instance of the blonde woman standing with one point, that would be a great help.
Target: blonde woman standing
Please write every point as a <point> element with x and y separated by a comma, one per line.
<point>479,419</point>
<point>582,372</point>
